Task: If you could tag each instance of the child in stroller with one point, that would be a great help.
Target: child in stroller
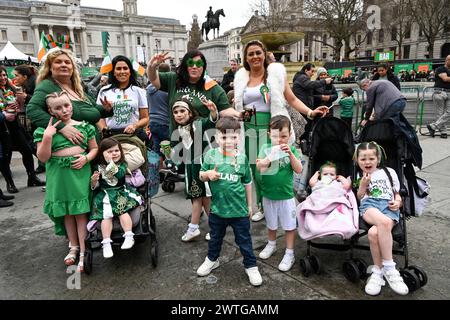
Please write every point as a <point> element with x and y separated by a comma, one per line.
<point>143,224</point>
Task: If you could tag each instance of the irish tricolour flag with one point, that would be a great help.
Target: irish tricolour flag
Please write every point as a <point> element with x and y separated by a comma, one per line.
<point>43,47</point>
<point>106,65</point>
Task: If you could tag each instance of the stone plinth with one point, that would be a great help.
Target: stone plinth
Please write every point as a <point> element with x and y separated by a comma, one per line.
<point>216,55</point>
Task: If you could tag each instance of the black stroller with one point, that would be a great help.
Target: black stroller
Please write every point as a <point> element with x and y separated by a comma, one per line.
<point>330,140</point>
<point>402,151</point>
<point>144,224</point>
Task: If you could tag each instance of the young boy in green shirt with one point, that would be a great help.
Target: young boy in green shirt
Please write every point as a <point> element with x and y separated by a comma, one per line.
<point>347,103</point>
<point>276,164</point>
<point>229,177</point>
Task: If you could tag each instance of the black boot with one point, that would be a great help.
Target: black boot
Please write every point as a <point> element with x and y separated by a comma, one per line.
<point>3,197</point>
<point>40,169</point>
<point>10,186</point>
<point>34,181</point>
<point>4,204</point>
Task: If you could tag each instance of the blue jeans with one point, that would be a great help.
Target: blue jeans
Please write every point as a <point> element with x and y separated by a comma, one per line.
<point>394,110</point>
<point>160,132</point>
<point>242,237</point>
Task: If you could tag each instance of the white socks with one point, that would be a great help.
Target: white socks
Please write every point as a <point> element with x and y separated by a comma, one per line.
<point>193,227</point>
<point>290,252</point>
<point>389,265</point>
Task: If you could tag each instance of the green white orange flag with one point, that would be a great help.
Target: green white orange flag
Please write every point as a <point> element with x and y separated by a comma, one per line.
<point>106,64</point>
<point>138,68</point>
<point>43,47</point>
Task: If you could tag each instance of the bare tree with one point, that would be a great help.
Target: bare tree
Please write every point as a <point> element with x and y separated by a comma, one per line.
<point>432,17</point>
<point>342,19</point>
<point>274,15</point>
<point>400,23</point>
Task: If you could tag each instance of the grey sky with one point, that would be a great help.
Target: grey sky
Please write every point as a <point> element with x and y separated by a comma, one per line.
<point>237,11</point>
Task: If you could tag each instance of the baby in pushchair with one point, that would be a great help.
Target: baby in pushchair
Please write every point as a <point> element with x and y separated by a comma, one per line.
<point>114,198</point>
<point>331,208</point>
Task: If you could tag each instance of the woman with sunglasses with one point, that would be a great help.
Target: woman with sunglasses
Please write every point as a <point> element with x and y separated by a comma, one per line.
<point>189,80</point>
<point>263,85</point>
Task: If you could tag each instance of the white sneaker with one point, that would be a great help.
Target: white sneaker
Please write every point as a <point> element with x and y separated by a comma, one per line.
<point>107,251</point>
<point>208,236</point>
<point>267,252</point>
<point>189,236</point>
<point>374,284</point>
<point>207,266</point>
<point>254,276</point>
<point>287,263</point>
<point>128,243</point>
<point>258,216</point>
<point>395,281</point>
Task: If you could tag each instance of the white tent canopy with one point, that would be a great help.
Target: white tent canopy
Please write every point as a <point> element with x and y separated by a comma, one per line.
<point>12,53</point>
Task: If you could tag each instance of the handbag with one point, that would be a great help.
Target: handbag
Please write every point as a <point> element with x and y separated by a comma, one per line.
<point>136,179</point>
<point>420,199</point>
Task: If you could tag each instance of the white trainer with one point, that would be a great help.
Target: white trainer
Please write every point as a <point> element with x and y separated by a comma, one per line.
<point>267,252</point>
<point>207,266</point>
<point>128,243</point>
<point>107,250</point>
<point>254,276</point>
<point>258,216</point>
<point>208,236</point>
<point>189,236</point>
<point>395,281</point>
<point>374,284</point>
<point>287,263</point>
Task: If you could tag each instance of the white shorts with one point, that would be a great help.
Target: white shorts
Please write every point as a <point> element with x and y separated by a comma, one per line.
<point>280,210</point>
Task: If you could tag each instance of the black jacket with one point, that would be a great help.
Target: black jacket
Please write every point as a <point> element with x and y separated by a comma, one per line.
<point>228,78</point>
<point>326,90</point>
<point>391,77</point>
<point>303,88</point>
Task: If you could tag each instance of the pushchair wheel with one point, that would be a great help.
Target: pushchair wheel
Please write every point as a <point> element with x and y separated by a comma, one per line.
<point>362,266</point>
<point>88,255</point>
<point>305,267</point>
<point>161,177</point>
<point>315,264</point>
<point>411,279</point>
<point>421,274</point>
<point>351,271</point>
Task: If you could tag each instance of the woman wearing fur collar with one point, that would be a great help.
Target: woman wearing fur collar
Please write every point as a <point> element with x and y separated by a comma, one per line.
<point>264,86</point>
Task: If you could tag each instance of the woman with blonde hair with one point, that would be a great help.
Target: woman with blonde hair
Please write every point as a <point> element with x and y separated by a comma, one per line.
<point>59,72</point>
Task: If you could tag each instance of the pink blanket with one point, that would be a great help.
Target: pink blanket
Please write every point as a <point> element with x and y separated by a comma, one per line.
<point>329,210</point>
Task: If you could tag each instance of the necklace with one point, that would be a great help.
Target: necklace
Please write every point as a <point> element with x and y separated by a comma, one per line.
<point>69,91</point>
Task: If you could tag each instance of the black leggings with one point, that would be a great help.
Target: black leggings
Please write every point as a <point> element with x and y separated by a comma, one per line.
<point>14,137</point>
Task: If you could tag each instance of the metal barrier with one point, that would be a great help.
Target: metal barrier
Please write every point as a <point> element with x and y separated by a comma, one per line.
<point>423,117</point>
<point>358,107</point>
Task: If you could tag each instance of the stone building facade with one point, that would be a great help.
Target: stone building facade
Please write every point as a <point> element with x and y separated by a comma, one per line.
<point>133,35</point>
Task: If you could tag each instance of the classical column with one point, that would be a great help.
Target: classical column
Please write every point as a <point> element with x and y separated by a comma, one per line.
<point>37,38</point>
<point>150,46</point>
<point>312,50</point>
<point>72,37</point>
<point>133,44</point>
<point>84,46</point>
<point>175,47</point>
<point>127,43</point>
<point>319,47</point>
<point>303,50</point>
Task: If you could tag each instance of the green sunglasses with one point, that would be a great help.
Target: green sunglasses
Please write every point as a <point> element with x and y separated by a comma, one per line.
<point>191,63</point>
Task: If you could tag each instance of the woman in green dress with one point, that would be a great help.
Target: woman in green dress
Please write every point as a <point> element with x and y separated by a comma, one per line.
<point>67,198</point>
<point>58,73</point>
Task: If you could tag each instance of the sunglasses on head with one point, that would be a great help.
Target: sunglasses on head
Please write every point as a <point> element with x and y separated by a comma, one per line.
<point>191,63</point>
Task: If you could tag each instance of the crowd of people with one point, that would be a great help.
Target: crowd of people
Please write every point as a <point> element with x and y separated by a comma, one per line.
<point>251,120</point>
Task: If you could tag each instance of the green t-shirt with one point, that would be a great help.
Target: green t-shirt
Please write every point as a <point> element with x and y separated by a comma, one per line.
<point>277,183</point>
<point>347,105</point>
<point>216,94</point>
<point>228,193</point>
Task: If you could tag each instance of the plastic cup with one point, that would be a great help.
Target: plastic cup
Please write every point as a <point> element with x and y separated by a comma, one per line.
<point>165,146</point>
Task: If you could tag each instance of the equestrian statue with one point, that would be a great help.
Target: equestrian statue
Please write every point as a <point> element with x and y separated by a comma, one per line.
<point>212,22</point>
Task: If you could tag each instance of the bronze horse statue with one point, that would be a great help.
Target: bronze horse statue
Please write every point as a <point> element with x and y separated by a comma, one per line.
<point>213,24</point>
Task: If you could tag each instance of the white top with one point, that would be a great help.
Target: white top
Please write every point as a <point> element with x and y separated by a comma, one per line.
<point>254,98</point>
<point>380,187</point>
<point>126,105</point>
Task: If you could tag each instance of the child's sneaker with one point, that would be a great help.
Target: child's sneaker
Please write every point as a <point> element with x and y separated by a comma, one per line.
<point>190,235</point>
<point>207,266</point>
<point>258,216</point>
<point>128,243</point>
<point>374,284</point>
<point>107,249</point>
<point>395,281</point>
<point>254,276</point>
<point>267,252</point>
<point>287,263</point>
